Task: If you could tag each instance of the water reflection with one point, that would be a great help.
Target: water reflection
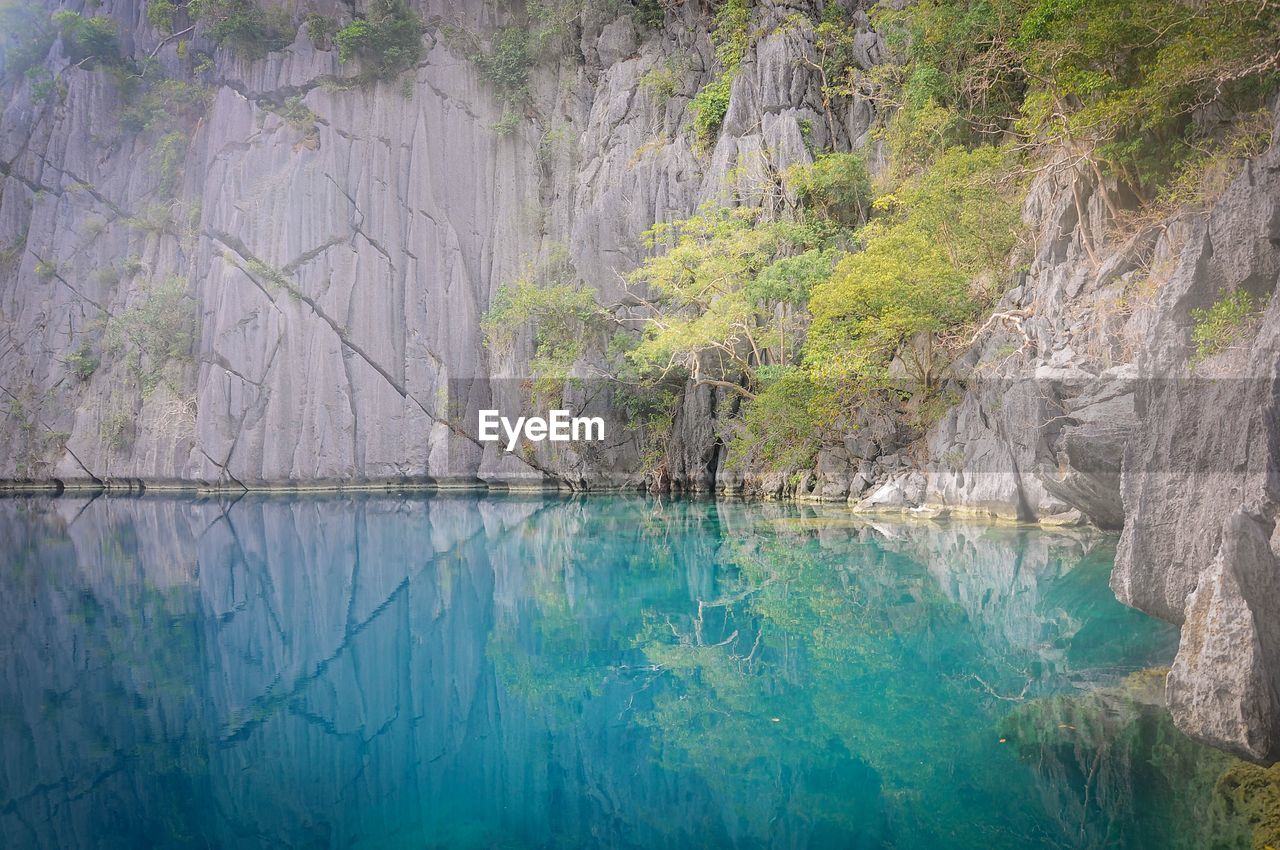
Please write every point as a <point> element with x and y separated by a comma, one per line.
<point>460,671</point>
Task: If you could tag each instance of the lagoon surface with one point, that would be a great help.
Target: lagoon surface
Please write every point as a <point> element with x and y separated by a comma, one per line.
<point>487,671</point>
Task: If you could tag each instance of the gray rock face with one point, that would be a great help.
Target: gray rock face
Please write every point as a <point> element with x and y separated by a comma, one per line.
<point>334,270</point>
<point>1201,481</point>
<point>337,267</point>
<point>1104,411</point>
<point>1222,686</point>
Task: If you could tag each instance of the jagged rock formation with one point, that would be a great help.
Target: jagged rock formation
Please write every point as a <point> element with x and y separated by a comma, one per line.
<point>1103,412</point>
<point>340,262</point>
<point>340,266</point>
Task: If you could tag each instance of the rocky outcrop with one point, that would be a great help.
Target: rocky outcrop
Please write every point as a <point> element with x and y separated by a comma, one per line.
<point>1202,479</point>
<point>1092,404</point>
<point>332,248</point>
<point>338,258</point>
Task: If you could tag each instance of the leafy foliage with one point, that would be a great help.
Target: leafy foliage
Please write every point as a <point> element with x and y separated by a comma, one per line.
<point>296,113</point>
<point>160,14</point>
<point>561,312</point>
<point>1133,72</point>
<point>82,362</point>
<point>167,158</point>
<point>715,289</point>
<point>244,26</point>
<point>46,270</point>
<point>835,187</point>
<point>782,427</point>
<point>902,286</point>
<point>1222,325</point>
<point>730,36</point>
<point>941,230</point>
<point>387,41</point>
<point>709,107</point>
<point>96,38</point>
<point>167,110</point>
<point>1204,175</point>
<point>1123,81</point>
<point>966,201</point>
<point>164,104</point>
<point>649,13</point>
<point>506,65</point>
<point>1254,792</point>
<point>661,81</point>
<point>506,58</point>
<point>321,29</point>
<point>155,331</point>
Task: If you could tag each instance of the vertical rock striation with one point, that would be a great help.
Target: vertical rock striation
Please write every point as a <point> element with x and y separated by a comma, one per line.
<point>341,256</point>
<point>335,247</point>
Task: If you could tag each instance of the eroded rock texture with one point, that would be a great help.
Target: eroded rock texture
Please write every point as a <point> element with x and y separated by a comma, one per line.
<point>341,263</point>
<point>338,258</point>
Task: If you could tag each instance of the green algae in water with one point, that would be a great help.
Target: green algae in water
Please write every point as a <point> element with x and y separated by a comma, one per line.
<point>1249,793</point>
<point>470,671</point>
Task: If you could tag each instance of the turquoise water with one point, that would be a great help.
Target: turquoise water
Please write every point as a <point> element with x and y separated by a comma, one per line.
<point>458,671</point>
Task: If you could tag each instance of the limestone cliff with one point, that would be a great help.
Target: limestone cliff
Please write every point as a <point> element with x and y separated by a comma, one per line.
<point>340,264</point>
<point>1086,400</point>
<point>334,247</point>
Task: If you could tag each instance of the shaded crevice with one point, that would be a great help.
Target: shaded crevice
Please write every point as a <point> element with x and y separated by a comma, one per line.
<point>225,472</point>
<point>357,450</point>
<point>222,362</point>
<point>62,280</point>
<point>88,188</point>
<point>376,246</point>
<point>309,255</point>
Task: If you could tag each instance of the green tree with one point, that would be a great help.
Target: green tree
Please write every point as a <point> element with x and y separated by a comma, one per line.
<point>900,289</point>
<point>784,426</point>
<point>919,277</point>
<point>244,26</point>
<point>387,41</point>
<point>723,295</point>
<point>562,313</point>
<point>95,39</point>
<point>834,187</point>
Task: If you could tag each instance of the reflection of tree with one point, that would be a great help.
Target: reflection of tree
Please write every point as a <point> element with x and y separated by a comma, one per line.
<point>585,572</point>
<point>682,674</point>
<point>1110,761</point>
<point>805,669</point>
<point>838,682</point>
<point>812,685</point>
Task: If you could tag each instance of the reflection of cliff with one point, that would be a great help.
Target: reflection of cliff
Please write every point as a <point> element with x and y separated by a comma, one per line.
<point>464,672</point>
<point>1027,592</point>
<point>1104,758</point>
<point>99,643</point>
<point>320,666</point>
